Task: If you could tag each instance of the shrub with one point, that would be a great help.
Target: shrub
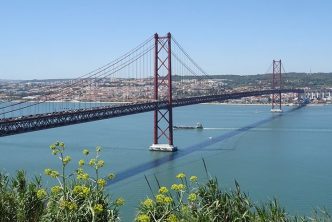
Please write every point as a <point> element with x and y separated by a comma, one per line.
<point>78,196</point>
<point>193,202</point>
<point>18,198</point>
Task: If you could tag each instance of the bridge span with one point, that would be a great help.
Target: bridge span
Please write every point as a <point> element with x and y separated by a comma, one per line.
<point>37,122</point>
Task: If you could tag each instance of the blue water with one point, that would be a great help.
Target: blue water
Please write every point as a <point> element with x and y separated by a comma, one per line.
<point>287,156</point>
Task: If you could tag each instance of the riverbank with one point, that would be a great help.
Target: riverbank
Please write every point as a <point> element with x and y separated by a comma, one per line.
<point>211,103</point>
<point>260,104</point>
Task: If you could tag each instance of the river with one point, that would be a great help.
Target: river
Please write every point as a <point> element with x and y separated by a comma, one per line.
<point>287,156</point>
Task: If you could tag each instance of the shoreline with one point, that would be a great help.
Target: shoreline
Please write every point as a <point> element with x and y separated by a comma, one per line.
<point>212,103</point>
<point>260,104</point>
<point>237,104</point>
<point>57,101</point>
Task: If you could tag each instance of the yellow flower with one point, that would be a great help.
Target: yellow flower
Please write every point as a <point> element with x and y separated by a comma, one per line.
<point>54,174</point>
<point>181,176</point>
<point>98,208</point>
<point>55,152</point>
<point>143,218</point>
<point>47,172</point>
<point>92,162</point>
<point>86,152</point>
<point>41,194</point>
<point>119,202</point>
<point>82,176</point>
<point>77,189</point>
<point>71,205</point>
<point>148,203</point>
<point>56,189</point>
<point>172,218</point>
<point>168,200</point>
<point>82,191</point>
<point>178,187</point>
<point>81,163</point>
<point>193,179</point>
<point>100,163</point>
<point>66,160</point>
<point>174,187</point>
<point>181,187</point>
<point>85,190</point>
<point>52,147</point>
<point>62,144</point>
<point>67,205</point>
<point>111,176</point>
<point>192,197</point>
<point>163,190</point>
<point>85,176</point>
<point>160,198</point>
<point>101,182</point>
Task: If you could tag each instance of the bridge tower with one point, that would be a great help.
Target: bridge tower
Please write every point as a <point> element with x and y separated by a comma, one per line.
<point>163,115</point>
<point>276,85</point>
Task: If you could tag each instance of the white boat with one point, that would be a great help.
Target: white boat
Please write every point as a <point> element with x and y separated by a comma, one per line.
<point>276,110</point>
<point>198,126</point>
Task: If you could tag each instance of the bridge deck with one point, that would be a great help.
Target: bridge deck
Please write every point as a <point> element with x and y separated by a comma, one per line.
<point>23,124</point>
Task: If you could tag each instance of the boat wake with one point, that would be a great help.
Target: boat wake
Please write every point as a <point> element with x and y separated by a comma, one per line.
<point>311,130</point>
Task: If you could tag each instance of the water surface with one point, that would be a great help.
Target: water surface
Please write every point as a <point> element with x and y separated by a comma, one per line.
<point>288,157</point>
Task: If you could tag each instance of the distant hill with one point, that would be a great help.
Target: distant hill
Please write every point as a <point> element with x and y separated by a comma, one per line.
<point>292,79</point>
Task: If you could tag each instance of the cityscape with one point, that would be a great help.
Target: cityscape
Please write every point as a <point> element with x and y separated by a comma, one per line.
<point>136,90</point>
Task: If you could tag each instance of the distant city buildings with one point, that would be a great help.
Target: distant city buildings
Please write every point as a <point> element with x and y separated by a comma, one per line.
<point>139,90</point>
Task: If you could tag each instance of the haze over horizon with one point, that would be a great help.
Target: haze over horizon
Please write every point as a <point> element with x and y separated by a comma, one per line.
<point>50,40</point>
<point>42,79</point>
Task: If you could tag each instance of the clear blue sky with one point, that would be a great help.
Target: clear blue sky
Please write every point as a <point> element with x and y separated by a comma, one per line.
<point>55,39</point>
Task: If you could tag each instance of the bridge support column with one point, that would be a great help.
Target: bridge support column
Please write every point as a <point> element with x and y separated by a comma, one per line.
<point>276,84</point>
<point>163,117</point>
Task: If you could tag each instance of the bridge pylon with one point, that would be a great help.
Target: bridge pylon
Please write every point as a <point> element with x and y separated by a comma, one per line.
<point>276,85</point>
<point>163,117</point>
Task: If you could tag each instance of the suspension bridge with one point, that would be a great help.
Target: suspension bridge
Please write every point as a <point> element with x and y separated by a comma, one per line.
<point>157,75</point>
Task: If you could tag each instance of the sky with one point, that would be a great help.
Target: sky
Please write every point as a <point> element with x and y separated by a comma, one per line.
<point>66,39</point>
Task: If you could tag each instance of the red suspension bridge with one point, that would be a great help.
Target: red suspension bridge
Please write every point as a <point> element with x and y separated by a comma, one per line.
<point>158,75</point>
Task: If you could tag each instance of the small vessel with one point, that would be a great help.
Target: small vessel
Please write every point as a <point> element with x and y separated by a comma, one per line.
<point>198,126</point>
<point>276,110</point>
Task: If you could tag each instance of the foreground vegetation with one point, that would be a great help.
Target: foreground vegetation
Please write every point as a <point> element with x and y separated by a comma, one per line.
<point>190,201</point>
<point>80,196</point>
